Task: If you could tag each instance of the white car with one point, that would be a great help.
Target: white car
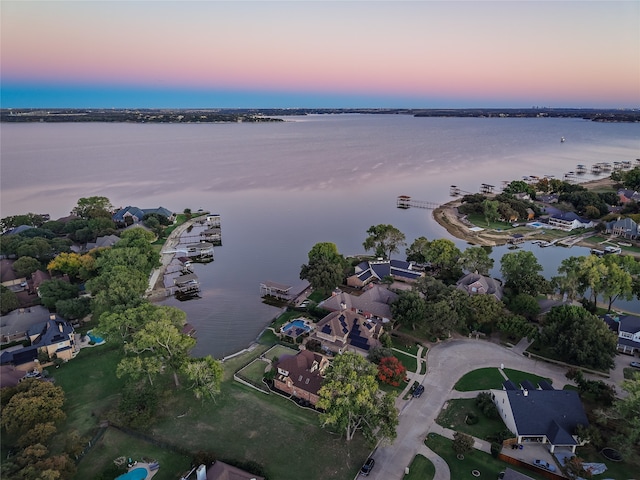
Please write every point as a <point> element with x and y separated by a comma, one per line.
<point>545,465</point>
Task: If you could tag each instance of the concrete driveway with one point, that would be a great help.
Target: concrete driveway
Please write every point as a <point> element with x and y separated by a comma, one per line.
<point>447,362</point>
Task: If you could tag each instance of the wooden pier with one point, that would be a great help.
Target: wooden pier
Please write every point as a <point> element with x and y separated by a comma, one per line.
<point>405,202</point>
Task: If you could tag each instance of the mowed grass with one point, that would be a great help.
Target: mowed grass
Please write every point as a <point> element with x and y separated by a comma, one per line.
<point>241,425</point>
<point>480,379</point>
<point>455,414</point>
<point>115,443</point>
<point>488,466</point>
<point>421,468</point>
<point>409,362</point>
<point>517,376</point>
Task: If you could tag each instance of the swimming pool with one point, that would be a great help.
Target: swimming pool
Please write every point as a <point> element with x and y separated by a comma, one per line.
<point>94,338</point>
<point>536,225</point>
<point>139,473</point>
<point>296,327</point>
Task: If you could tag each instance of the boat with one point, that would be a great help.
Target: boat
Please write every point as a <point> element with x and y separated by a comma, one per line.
<point>624,244</point>
<point>610,249</point>
<point>581,169</point>
<point>561,139</point>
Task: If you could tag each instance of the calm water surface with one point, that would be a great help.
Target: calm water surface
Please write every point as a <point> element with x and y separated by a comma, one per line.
<point>282,187</point>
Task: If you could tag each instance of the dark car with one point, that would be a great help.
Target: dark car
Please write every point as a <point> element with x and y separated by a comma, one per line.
<point>419,390</point>
<point>367,467</point>
<point>635,364</point>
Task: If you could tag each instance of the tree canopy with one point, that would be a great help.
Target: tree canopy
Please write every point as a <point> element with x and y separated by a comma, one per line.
<point>476,259</point>
<point>352,402</point>
<point>384,240</point>
<point>520,270</point>
<point>326,267</point>
<point>93,207</point>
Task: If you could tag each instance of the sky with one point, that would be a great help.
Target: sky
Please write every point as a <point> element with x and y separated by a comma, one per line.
<point>329,54</point>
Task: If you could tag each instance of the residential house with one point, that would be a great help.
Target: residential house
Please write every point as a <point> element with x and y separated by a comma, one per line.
<point>367,272</point>
<point>476,284</point>
<point>223,471</point>
<point>301,375</point>
<point>14,325</point>
<point>130,215</point>
<point>9,278</point>
<point>627,327</point>
<point>55,338</point>
<point>345,330</point>
<point>374,303</point>
<point>626,196</point>
<point>569,221</point>
<point>623,227</point>
<point>545,416</point>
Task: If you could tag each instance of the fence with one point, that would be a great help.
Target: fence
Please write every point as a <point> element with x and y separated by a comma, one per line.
<point>528,466</point>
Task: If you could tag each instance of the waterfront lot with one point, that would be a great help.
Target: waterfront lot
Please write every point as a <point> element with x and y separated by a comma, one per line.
<point>242,424</point>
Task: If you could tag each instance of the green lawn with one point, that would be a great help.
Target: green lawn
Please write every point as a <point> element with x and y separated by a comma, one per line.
<point>410,362</point>
<point>421,468</point>
<point>242,424</point>
<point>480,221</point>
<point>480,379</point>
<point>617,470</point>
<point>254,371</point>
<point>488,466</point>
<point>455,414</point>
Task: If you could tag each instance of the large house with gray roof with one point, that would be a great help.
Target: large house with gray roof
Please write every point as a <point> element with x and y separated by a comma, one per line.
<point>376,270</point>
<point>541,415</point>
<point>476,284</point>
<point>623,227</point>
<point>374,302</point>
<point>627,327</point>
<point>130,215</point>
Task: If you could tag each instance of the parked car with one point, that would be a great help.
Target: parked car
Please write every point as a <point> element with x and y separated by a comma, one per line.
<point>367,467</point>
<point>635,364</point>
<point>419,390</point>
<point>545,465</point>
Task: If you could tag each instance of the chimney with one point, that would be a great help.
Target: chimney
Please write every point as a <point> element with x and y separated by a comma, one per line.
<point>525,392</point>
<point>343,306</point>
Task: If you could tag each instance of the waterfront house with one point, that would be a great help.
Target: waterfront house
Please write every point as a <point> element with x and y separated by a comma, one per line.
<point>476,284</point>
<point>376,270</point>
<point>301,375</point>
<point>568,221</point>
<point>626,196</point>
<point>345,330</point>
<point>130,215</point>
<point>223,471</point>
<point>14,325</point>
<point>543,415</point>
<point>623,227</point>
<point>627,327</point>
<point>374,302</point>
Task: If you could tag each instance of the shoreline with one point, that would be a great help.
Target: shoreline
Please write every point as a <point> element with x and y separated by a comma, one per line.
<point>447,217</point>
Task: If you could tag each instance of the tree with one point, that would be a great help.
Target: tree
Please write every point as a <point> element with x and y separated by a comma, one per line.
<point>517,326</point>
<point>51,291</point>
<point>93,207</point>
<point>417,251</point>
<point>490,210</point>
<point>162,339</point>
<point>579,337</point>
<point>8,300</point>
<point>205,375</point>
<point>73,308</point>
<point>326,267</point>
<point>384,240</point>
<point>117,289</point>
<point>33,402</point>
<point>391,371</point>
<point>25,266</point>
<point>73,264</point>
<point>462,443</point>
<point>443,256</point>
<point>31,219</point>
<point>409,308</point>
<point>485,311</point>
<point>520,272</point>
<point>119,327</point>
<point>476,259</point>
<point>351,401</point>
<point>617,283</point>
<point>525,305</point>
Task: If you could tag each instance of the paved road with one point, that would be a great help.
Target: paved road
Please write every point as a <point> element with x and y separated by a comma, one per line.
<point>447,362</point>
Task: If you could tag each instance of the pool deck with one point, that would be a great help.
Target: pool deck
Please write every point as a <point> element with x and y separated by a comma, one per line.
<point>150,473</point>
<point>83,341</point>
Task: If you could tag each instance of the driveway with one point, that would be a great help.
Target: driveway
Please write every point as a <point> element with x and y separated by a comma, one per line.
<point>447,362</point>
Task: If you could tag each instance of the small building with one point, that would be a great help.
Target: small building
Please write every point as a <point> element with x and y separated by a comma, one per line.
<point>301,375</point>
<point>541,416</point>
<point>516,239</point>
<point>199,250</point>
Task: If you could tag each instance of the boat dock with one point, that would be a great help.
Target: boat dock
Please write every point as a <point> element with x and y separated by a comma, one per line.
<point>405,201</point>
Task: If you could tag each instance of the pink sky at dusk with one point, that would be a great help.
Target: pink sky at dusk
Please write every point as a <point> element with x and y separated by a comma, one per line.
<point>535,53</point>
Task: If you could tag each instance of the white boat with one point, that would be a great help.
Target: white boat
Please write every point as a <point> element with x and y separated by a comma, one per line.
<point>561,139</point>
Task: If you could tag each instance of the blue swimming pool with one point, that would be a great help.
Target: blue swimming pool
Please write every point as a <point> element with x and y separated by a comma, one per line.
<point>94,338</point>
<point>296,327</point>
<point>139,473</point>
<point>536,224</point>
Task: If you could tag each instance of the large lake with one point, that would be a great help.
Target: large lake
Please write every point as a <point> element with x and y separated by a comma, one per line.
<point>282,187</point>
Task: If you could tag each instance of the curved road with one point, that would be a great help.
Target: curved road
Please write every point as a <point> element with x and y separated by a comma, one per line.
<point>447,362</point>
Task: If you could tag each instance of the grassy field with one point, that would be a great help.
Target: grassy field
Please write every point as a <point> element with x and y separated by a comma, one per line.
<point>421,468</point>
<point>516,376</point>
<point>242,424</point>
<point>617,470</point>
<point>410,362</point>
<point>455,414</point>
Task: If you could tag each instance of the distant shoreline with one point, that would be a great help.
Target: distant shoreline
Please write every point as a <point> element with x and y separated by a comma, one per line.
<point>260,115</point>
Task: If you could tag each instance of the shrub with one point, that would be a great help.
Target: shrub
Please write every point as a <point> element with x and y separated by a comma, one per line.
<point>496,448</point>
